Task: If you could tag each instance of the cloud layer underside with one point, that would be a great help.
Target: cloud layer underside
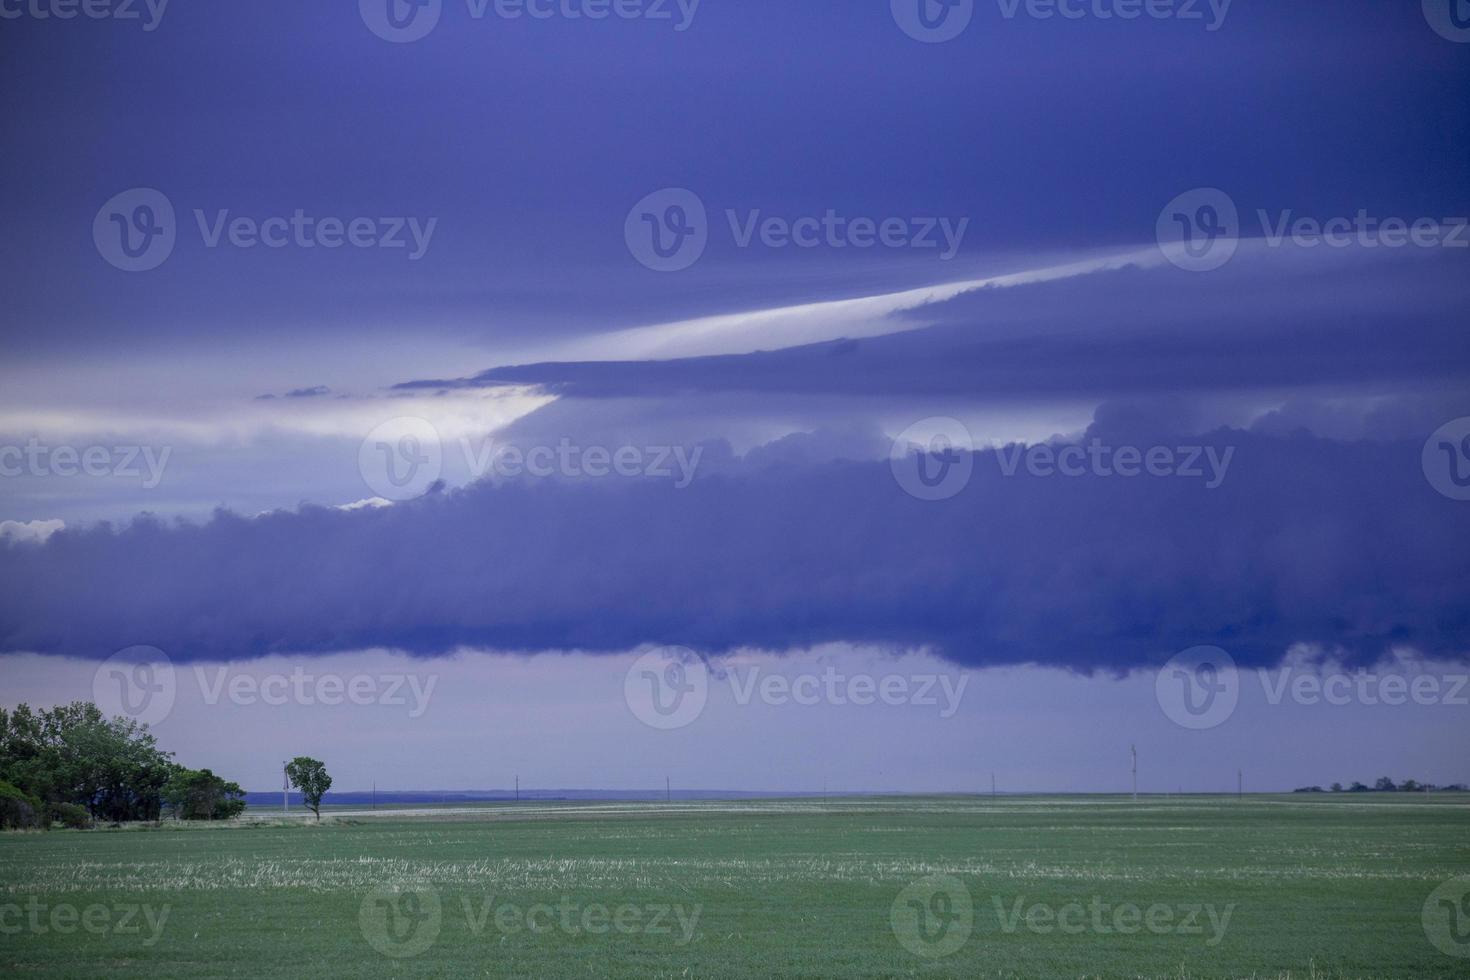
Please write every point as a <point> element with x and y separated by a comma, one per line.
<point>1307,540</point>
<point>1268,322</point>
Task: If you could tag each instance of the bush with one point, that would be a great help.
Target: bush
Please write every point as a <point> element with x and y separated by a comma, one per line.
<point>18,810</point>
<point>70,815</point>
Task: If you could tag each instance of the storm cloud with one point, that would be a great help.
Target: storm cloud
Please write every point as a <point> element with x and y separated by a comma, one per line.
<point>1305,540</point>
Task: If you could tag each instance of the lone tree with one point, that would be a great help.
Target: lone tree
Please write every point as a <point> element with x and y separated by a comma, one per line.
<point>309,776</point>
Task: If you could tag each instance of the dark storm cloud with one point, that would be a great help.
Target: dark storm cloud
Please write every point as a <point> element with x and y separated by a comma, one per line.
<point>1306,540</point>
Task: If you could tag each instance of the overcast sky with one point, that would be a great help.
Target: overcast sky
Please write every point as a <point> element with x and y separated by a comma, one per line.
<point>1024,351</point>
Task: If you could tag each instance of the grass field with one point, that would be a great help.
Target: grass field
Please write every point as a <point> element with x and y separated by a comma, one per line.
<point>963,887</point>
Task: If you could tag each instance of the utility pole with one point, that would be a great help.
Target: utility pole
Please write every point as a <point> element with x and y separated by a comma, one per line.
<point>668,793</point>
<point>1133,749</point>
<point>992,784</point>
<point>1239,784</point>
<point>285,788</point>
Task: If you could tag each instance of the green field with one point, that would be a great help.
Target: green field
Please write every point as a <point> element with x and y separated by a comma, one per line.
<point>1055,887</point>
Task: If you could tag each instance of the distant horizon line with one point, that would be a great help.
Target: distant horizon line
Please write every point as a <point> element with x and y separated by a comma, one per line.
<point>266,797</point>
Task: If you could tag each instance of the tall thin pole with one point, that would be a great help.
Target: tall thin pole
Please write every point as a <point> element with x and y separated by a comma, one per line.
<point>1133,749</point>
<point>1240,784</point>
<point>992,785</point>
<point>668,793</point>
<point>518,789</point>
<point>285,788</point>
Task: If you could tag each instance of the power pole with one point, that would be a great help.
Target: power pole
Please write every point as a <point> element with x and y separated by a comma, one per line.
<point>285,788</point>
<point>1133,749</point>
<point>668,793</point>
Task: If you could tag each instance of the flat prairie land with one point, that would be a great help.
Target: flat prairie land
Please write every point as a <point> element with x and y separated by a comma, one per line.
<point>1188,887</point>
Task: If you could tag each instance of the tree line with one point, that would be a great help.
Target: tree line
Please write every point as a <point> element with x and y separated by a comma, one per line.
<point>74,766</point>
<point>1385,785</point>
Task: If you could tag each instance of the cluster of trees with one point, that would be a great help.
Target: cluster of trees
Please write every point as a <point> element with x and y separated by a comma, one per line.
<point>1386,785</point>
<point>72,764</point>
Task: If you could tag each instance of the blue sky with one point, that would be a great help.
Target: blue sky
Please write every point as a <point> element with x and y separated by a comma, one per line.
<point>900,239</point>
